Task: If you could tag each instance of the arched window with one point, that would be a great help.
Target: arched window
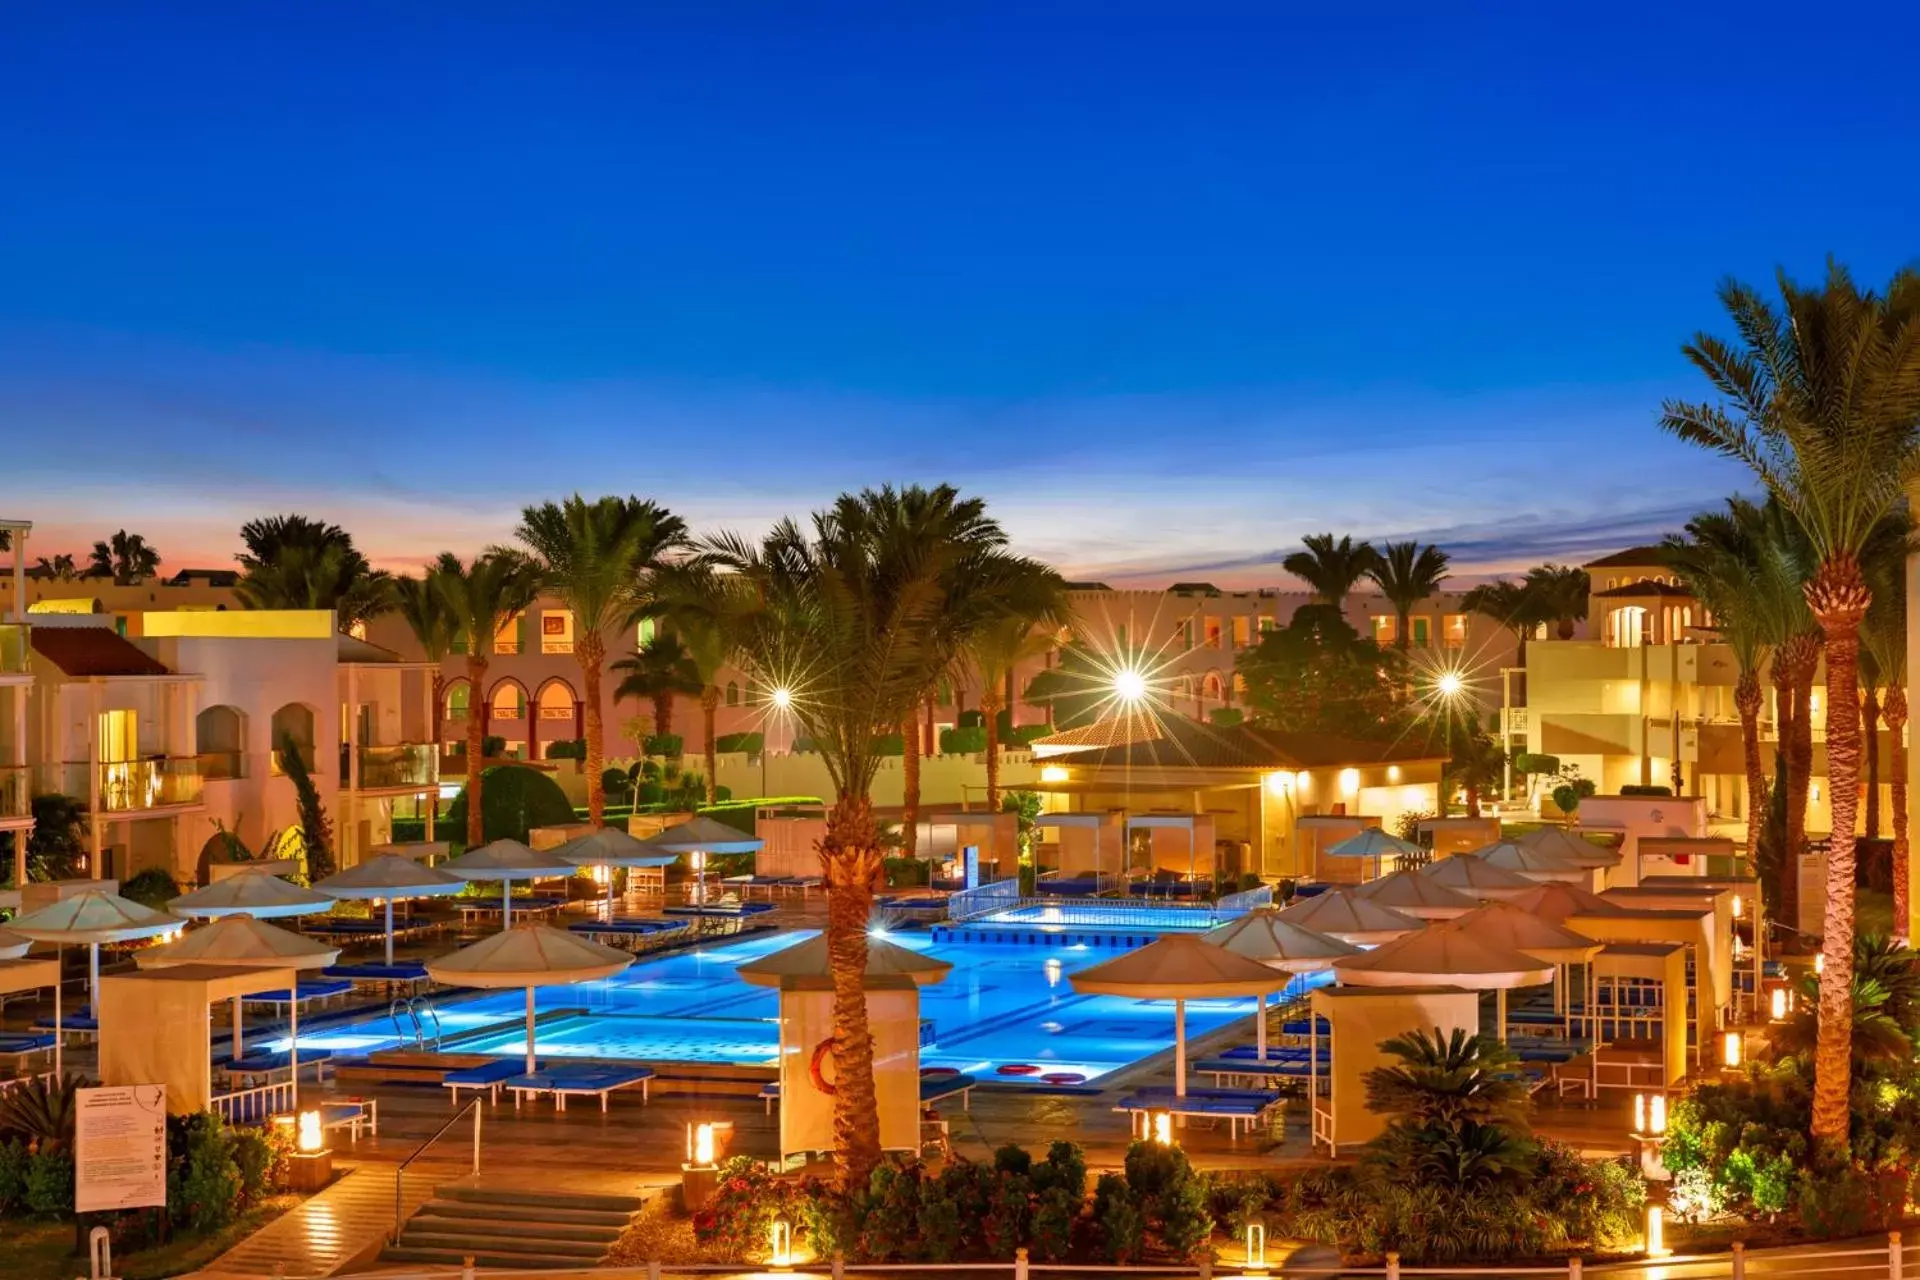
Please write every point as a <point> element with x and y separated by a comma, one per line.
<point>220,740</point>
<point>1213,687</point>
<point>556,701</point>
<point>733,693</point>
<point>1627,627</point>
<point>459,700</point>
<point>293,725</point>
<point>508,701</point>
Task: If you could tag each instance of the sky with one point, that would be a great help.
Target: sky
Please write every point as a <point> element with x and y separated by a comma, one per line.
<point>1170,285</point>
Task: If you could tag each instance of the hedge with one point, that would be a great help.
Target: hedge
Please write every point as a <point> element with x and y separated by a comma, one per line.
<point>514,799</point>
<point>964,741</point>
<point>751,743</point>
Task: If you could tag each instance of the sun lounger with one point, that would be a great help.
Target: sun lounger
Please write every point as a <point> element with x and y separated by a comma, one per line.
<point>933,1089</point>
<point>484,1079</point>
<point>403,973</point>
<point>1241,1108</point>
<point>18,1047</point>
<point>351,1116</point>
<point>307,992</point>
<point>1280,1065</point>
<point>584,1080</point>
<point>77,1024</point>
<point>265,1067</point>
<point>486,908</point>
<point>722,910</point>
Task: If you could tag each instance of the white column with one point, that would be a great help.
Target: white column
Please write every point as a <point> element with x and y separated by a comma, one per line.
<point>1180,1048</point>
<point>350,836</point>
<point>1260,1027</point>
<point>93,777</point>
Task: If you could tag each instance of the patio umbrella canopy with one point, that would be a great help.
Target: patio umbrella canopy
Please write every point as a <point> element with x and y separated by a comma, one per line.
<point>1556,901</point>
<point>1338,913</point>
<point>528,955</point>
<point>1178,967</point>
<point>1511,855</point>
<point>1469,874</point>
<point>388,876</point>
<point>12,945</point>
<point>1558,842</point>
<point>1417,895</point>
<point>1505,925</point>
<point>612,847</point>
<point>1374,842</point>
<point>705,835</point>
<point>241,940</point>
<point>805,964</point>
<point>1279,944</point>
<point>1445,957</point>
<point>508,860</point>
<point>91,918</point>
<point>262,896</point>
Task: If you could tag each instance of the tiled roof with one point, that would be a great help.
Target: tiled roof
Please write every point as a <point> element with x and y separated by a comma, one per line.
<point>1631,558</point>
<point>1644,589</point>
<point>1173,742</point>
<point>93,651</point>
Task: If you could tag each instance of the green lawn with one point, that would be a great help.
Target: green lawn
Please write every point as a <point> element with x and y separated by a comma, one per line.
<point>41,1250</point>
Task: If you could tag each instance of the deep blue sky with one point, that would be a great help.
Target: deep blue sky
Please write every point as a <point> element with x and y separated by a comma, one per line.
<point>1170,284</point>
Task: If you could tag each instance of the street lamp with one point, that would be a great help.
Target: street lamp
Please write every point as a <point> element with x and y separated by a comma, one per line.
<point>782,698</point>
<point>1448,685</point>
<point>1129,685</point>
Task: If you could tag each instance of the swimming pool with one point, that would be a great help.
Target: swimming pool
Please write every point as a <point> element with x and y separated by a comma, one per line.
<point>1101,914</point>
<point>1000,1005</point>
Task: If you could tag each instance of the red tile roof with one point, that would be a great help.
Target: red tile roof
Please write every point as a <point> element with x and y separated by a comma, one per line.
<point>92,651</point>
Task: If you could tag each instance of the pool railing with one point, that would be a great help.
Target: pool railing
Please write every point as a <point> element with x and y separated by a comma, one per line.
<point>1003,901</point>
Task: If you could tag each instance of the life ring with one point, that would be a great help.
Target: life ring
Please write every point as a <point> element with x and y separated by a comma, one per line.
<point>938,1073</point>
<point>1063,1077</point>
<point>1018,1069</point>
<point>820,1052</point>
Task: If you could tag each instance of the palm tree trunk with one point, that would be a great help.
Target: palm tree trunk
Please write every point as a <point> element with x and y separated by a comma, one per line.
<point>1402,620</point>
<point>1870,743</point>
<point>662,714</point>
<point>1746,703</point>
<point>990,709</point>
<point>1838,596</point>
<point>709,707</point>
<point>437,721</point>
<point>1795,662</point>
<point>1473,795</point>
<point>910,746</point>
<point>476,745</point>
<point>591,650</point>
<point>850,862</point>
<point>1894,710</point>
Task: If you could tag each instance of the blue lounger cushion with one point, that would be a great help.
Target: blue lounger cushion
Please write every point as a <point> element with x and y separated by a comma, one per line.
<point>624,926</point>
<point>401,971</point>
<point>78,1020</point>
<point>272,1061</point>
<point>25,1042</point>
<point>584,1077</point>
<point>1225,1102</point>
<point>314,989</point>
<point>730,909</point>
<point>490,1073</point>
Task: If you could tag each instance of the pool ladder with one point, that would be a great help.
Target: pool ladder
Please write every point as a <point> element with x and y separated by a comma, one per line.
<point>411,1006</point>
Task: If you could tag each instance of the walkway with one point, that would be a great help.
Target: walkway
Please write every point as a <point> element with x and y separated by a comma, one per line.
<point>346,1222</point>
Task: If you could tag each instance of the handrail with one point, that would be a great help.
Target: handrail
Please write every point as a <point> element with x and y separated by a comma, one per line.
<point>439,1033</point>
<point>400,1170</point>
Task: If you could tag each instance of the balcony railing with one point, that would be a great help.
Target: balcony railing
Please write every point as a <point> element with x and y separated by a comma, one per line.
<point>411,764</point>
<point>556,646</point>
<point>130,786</point>
<point>222,766</point>
<point>13,649</point>
<point>16,792</point>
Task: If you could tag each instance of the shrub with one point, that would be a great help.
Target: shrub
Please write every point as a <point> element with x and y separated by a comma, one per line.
<point>670,745</point>
<point>1535,762</point>
<point>1226,717</point>
<point>889,744</point>
<point>49,1182</point>
<point>1117,1222</point>
<point>203,1177</point>
<point>154,887</point>
<point>745,1203</point>
<point>567,749</point>
<point>514,799</point>
<point>40,1112</point>
<point>751,743</point>
<point>1738,1147</point>
<point>907,873</point>
<point>963,742</point>
<point>1633,789</point>
<point>971,720</point>
<point>615,781</point>
<point>14,1160</point>
<point>1024,735</point>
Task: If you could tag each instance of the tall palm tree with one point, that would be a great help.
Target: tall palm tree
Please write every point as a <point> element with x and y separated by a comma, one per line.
<point>436,629</point>
<point>1820,396</point>
<point>1559,595</point>
<point>1750,588</point>
<point>658,672</point>
<point>1510,604</point>
<point>595,558</point>
<point>859,614</point>
<point>1406,574</point>
<point>707,614</point>
<point>999,648</point>
<point>125,557</point>
<point>60,569</point>
<point>294,562</point>
<point>481,597</point>
<point>1884,649</point>
<point>1331,569</point>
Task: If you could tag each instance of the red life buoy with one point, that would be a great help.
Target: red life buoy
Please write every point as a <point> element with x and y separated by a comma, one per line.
<point>1063,1077</point>
<point>1019,1069</point>
<point>820,1052</point>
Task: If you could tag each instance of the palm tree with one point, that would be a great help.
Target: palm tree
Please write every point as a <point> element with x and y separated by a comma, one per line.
<point>595,558</point>
<point>423,604</point>
<point>1460,1080</point>
<point>859,614</point>
<point>706,613</point>
<point>1884,651</point>
<point>1559,595</point>
<point>1749,585</point>
<point>1331,569</point>
<point>481,597</point>
<point>1511,605</point>
<point>1478,763</point>
<point>1820,396</point>
<point>657,672</point>
<point>125,557</point>
<point>59,569</point>
<point>294,562</point>
<point>1406,574</point>
<point>1027,629</point>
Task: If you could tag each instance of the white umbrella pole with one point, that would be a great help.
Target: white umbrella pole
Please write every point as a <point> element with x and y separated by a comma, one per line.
<point>59,1036</point>
<point>238,1050</point>
<point>1260,1027</point>
<point>293,1043</point>
<point>1500,1011</point>
<point>530,1056</point>
<point>506,903</point>
<point>389,933</point>
<point>1179,1048</point>
<point>93,980</point>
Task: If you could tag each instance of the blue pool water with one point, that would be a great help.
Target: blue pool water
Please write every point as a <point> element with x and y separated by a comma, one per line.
<point>1105,914</point>
<point>1001,1004</point>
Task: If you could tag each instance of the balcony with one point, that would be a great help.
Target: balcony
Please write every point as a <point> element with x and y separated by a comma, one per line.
<point>16,792</point>
<point>556,646</point>
<point>131,786</point>
<point>14,651</point>
<point>409,766</point>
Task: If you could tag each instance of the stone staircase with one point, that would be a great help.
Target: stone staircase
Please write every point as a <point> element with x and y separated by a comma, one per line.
<point>506,1227</point>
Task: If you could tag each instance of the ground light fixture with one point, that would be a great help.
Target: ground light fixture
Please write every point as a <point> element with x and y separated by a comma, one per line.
<point>1779,1004</point>
<point>1163,1128</point>
<point>780,1244</point>
<point>1256,1248</point>
<point>1730,1049</point>
<point>1656,1232</point>
<point>308,1137</point>
<point>1650,1114</point>
<point>700,1145</point>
